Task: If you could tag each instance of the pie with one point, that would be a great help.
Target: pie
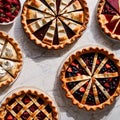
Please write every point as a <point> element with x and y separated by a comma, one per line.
<point>109,17</point>
<point>91,78</point>
<point>53,24</point>
<point>28,105</point>
<point>10,59</point>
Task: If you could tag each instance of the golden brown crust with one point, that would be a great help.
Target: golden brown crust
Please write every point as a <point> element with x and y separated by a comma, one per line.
<point>68,92</point>
<point>61,45</point>
<point>32,92</point>
<point>19,59</point>
<point>101,21</point>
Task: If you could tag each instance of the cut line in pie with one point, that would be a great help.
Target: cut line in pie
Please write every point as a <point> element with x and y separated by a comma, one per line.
<point>28,104</point>
<point>108,14</point>
<point>10,59</point>
<point>41,19</point>
<point>91,78</point>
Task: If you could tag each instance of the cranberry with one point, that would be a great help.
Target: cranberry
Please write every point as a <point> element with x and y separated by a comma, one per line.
<point>16,12</point>
<point>7,7</point>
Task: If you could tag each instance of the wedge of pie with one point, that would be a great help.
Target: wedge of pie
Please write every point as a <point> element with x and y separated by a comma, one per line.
<point>54,23</point>
<point>28,104</point>
<point>10,59</point>
<point>91,78</point>
<point>109,17</point>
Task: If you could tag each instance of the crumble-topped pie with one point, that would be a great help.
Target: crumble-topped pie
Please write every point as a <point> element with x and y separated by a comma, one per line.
<point>54,23</point>
<point>91,78</point>
<point>109,17</point>
<point>10,59</point>
<point>28,104</point>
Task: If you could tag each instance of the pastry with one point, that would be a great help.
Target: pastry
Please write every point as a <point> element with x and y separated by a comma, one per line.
<point>53,24</point>
<point>10,59</point>
<point>108,14</point>
<point>91,78</point>
<point>28,104</point>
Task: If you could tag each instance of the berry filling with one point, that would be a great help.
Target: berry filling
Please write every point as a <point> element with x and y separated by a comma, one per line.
<point>41,115</point>
<point>102,81</point>
<point>9,9</point>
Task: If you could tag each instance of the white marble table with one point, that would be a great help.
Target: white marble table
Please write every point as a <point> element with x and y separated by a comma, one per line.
<point>41,68</point>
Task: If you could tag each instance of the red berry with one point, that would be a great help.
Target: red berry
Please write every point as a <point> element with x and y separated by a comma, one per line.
<point>9,1</point>
<point>107,66</point>
<point>106,85</point>
<point>16,12</point>
<point>82,89</point>
<point>15,2</point>
<point>78,74</point>
<point>7,7</point>
<point>9,117</point>
<point>2,19</point>
<point>12,17</point>
<point>97,62</point>
<point>1,11</point>
<point>8,14</point>
<point>69,69</point>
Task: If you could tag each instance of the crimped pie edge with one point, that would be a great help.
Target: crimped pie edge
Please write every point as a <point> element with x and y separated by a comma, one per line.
<point>104,29</point>
<point>29,91</point>
<point>38,42</point>
<point>69,60</point>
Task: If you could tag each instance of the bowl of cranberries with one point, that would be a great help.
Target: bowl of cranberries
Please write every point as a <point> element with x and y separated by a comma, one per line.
<point>9,10</point>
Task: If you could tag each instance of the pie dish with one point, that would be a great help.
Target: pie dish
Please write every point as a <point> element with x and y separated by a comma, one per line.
<point>10,59</point>
<point>91,78</point>
<point>108,14</point>
<point>28,104</point>
<point>53,24</point>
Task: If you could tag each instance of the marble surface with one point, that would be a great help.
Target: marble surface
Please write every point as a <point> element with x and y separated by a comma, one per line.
<point>41,67</point>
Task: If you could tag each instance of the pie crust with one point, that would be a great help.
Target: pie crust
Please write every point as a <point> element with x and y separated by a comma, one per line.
<point>108,14</point>
<point>91,78</point>
<point>28,104</point>
<point>53,24</point>
<point>10,59</point>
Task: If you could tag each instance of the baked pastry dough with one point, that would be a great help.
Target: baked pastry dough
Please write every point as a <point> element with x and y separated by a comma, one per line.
<point>10,59</point>
<point>91,78</point>
<point>41,17</point>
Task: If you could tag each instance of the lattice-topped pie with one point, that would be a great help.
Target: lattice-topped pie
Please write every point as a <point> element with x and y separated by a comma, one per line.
<point>91,78</point>
<point>10,59</point>
<point>54,23</point>
<point>28,105</point>
<point>109,17</point>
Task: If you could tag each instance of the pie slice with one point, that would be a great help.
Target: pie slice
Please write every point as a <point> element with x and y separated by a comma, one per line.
<point>39,15</point>
<point>91,78</point>
<point>109,17</point>
<point>27,104</point>
<point>10,59</point>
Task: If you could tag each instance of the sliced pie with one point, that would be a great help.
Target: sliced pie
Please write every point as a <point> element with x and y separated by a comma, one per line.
<point>109,17</point>
<point>10,59</point>
<point>43,19</point>
<point>91,78</point>
<point>28,104</point>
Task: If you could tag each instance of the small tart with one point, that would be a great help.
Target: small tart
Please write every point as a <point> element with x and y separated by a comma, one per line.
<point>108,14</point>
<point>10,59</point>
<point>28,104</point>
<point>53,24</point>
<point>91,78</point>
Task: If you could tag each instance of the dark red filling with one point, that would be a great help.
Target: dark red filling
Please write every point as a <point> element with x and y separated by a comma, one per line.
<point>41,116</point>
<point>110,84</point>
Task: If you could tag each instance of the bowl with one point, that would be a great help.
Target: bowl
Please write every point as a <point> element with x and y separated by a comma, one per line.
<point>9,10</point>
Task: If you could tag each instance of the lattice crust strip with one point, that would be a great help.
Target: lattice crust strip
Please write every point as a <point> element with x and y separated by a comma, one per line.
<point>94,62</point>
<point>25,107</point>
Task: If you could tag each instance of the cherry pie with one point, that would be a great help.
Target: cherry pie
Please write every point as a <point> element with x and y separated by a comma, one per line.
<point>91,78</point>
<point>28,105</point>
<point>109,17</point>
<point>54,23</point>
<point>10,59</point>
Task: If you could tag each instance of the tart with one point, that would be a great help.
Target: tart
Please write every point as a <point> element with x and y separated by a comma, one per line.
<point>53,24</point>
<point>108,14</point>
<point>10,59</point>
<point>28,104</point>
<point>91,78</point>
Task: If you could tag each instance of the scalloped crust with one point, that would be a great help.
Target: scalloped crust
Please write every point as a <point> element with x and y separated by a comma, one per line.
<point>69,60</point>
<point>38,42</point>
<point>19,54</point>
<point>104,29</point>
<point>28,91</point>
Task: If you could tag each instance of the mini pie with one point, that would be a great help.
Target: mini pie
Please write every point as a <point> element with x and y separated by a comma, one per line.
<point>109,17</point>
<point>53,24</point>
<point>91,78</point>
<point>28,105</point>
<point>10,59</point>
